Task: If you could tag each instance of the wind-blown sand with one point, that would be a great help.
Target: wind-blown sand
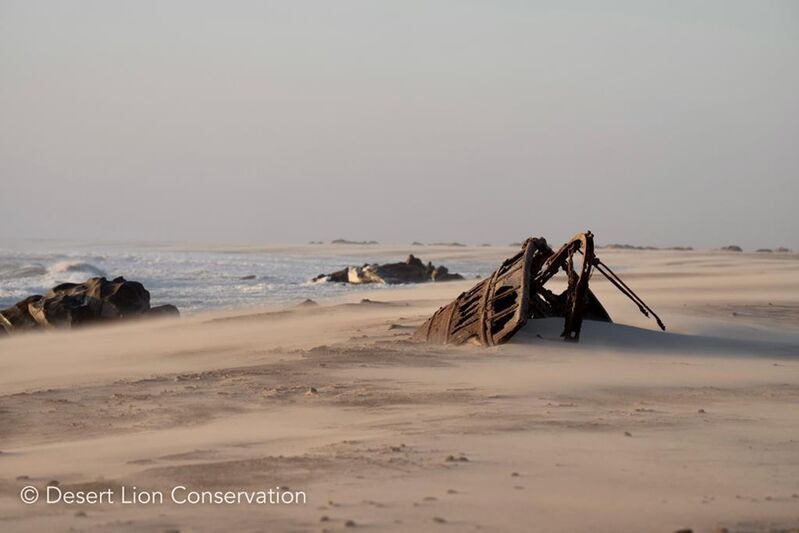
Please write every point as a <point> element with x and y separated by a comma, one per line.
<point>630,430</point>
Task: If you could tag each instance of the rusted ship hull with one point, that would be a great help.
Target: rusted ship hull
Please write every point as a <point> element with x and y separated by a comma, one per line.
<point>492,311</point>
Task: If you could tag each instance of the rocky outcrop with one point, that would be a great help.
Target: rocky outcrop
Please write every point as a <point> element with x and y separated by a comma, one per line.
<point>77,304</point>
<point>412,270</point>
<point>731,248</point>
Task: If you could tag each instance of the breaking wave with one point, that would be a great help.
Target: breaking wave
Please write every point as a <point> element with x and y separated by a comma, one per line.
<point>68,267</point>
<point>21,270</point>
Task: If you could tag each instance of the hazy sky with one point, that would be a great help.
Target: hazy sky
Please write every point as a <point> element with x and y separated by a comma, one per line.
<point>666,123</point>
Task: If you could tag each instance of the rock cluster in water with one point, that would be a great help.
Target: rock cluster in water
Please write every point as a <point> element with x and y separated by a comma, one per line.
<point>75,304</point>
<point>412,270</point>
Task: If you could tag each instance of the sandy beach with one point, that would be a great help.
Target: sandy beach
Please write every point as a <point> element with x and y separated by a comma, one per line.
<point>389,267</point>
<point>632,429</point>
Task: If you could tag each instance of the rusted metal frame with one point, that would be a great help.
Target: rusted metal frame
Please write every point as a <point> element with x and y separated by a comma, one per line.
<point>523,302</point>
<point>466,325</point>
<point>429,322</point>
<point>539,306</point>
<point>485,328</point>
<point>509,268</point>
<point>578,289</point>
<point>556,261</point>
<point>627,291</point>
<point>506,312</point>
<point>454,308</point>
<point>575,294</point>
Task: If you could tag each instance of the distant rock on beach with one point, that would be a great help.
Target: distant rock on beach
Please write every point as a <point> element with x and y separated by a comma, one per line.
<point>345,241</point>
<point>412,270</point>
<point>617,246</point>
<point>731,248</point>
<point>76,304</point>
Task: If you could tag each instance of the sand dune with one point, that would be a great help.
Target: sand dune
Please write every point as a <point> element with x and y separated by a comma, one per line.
<point>630,430</point>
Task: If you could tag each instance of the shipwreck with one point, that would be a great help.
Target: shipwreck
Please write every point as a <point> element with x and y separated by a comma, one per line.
<point>492,311</point>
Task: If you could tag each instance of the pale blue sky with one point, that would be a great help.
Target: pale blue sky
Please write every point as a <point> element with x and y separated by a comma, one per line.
<point>665,123</point>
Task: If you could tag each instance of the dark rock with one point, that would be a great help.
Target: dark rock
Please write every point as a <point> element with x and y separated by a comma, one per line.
<point>246,278</point>
<point>17,317</point>
<point>107,299</point>
<point>60,310</point>
<point>412,270</point>
<point>417,243</point>
<point>77,304</point>
<point>307,303</point>
<point>731,248</point>
<point>339,276</point>
<point>163,311</point>
<point>441,273</point>
<point>765,250</point>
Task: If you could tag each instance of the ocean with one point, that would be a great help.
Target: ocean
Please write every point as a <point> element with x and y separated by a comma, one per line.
<point>193,279</point>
